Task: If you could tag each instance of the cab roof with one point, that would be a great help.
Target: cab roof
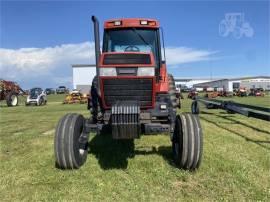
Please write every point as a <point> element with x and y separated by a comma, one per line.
<point>131,22</point>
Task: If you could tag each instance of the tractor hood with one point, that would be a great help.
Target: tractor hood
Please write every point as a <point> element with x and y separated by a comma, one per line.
<point>127,59</point>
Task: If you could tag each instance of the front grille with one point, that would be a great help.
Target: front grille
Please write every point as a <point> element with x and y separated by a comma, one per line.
<point>128,89</point>
<point>110,59</point>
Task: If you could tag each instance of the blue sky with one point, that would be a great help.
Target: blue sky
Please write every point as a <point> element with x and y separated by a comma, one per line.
<point>39,40</point>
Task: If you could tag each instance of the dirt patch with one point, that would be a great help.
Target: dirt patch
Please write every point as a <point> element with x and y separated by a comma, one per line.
<point>49,132</point>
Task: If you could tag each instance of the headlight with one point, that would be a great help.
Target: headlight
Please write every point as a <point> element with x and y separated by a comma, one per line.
<point>108,71</point>
<point>163,106</point>
<point>142,71</point>
<point>146,71</point>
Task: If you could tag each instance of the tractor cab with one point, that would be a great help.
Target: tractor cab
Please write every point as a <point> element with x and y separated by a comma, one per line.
<point>133,37</point>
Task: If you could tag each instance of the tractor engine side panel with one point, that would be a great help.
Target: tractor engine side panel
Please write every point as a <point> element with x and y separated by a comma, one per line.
<point>163,85</point>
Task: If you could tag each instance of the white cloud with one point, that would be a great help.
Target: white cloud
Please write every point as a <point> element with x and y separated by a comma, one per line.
<point>31,62</point>
<point>180,55</point>
<point>53,64</point>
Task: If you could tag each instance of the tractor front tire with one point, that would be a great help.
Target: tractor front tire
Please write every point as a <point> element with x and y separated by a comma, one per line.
<point>12,99</point>
<point>69,153</point>
<point>187,142</point>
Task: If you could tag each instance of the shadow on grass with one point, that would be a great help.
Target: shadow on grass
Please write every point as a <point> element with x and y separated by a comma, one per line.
<point>244,124</point>
<point>115,153</point>
<point>229,117</point>
<point>211,113</point>
<point>258,142</point>
<point>164,151</point>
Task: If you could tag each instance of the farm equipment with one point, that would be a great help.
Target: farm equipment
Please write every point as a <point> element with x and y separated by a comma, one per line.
<point>36,97</point>
<point>192,94</point>
<point>241,92</point>
<point>131,94</point>
<point>262,113</point>
<point>212,94</point>
<point>218,93</point>
<point>75,96</point>
<point>10,92</point>
<point>258,92</point>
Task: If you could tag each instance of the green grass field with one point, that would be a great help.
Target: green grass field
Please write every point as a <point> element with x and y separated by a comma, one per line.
<point>235,166</point>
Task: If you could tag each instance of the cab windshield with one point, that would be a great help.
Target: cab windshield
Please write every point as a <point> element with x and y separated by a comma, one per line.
<point>35,92</point>
<point>132,40</point>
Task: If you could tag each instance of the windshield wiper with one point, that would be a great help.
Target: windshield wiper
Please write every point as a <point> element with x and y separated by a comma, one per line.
<point>140,36</point>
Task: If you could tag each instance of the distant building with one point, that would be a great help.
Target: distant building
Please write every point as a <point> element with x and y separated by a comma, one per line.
<point>189,81</point>
<point>83,76</point>
<point>233,83</point>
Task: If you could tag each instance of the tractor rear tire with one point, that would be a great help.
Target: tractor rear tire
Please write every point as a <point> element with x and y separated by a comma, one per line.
<point>176,102</point>
<point>187,142</point>
<point>67,149</point>
<point>12,99</point>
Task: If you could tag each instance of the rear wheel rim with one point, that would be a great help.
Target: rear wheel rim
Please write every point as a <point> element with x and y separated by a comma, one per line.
<point>14,100</point>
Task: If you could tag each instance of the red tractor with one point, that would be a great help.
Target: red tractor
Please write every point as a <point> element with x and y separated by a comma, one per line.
<point>256,92</point>
<point>132,94</point>
<point>192,94</point>
<point>10,91</point>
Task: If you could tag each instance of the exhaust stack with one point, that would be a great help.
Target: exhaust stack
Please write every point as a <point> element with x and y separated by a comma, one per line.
<point>97,44</point>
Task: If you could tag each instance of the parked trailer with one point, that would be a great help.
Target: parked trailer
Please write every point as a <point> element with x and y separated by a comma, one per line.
<point>132,94</point>
<point>262,113</point>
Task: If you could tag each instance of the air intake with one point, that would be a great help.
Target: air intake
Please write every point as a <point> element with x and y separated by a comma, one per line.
<point>123,58</point>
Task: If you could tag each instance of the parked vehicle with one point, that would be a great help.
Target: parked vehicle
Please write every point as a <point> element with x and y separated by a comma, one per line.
<point>49,91</point>
<point>256,92</point>
<point>182,87</point>
<point>241,92</point>
<point>36,97</point>
<point>61,90</point>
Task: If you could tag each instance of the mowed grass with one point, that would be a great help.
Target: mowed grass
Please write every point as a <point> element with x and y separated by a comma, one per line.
<point>235,166</point>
